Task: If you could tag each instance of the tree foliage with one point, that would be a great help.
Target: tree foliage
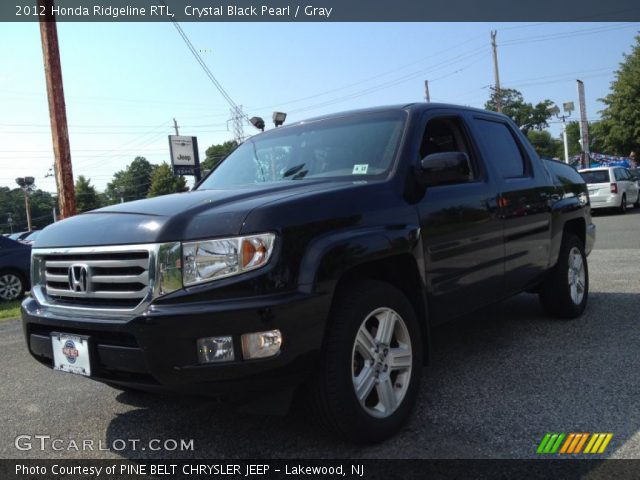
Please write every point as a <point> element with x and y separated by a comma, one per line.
<point>526,115</point>
<point>545,144</point>
<point>163,182</point>
<point>216,153</point>
<point>596,138</point>
<point>132,183</point>
<point>620,129</point>
<point>12,201</point>
<point>86,195</point>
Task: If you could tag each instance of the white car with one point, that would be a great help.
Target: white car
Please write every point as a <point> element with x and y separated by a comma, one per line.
<point>611,187</point>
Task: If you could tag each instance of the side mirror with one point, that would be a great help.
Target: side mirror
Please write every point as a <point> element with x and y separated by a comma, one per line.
<point>445,168</point>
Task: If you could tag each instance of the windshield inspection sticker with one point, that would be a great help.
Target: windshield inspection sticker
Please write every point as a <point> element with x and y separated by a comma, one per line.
<point>360,169</point>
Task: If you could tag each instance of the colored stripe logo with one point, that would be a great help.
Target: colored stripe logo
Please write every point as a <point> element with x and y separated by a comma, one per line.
<point>573,443</point>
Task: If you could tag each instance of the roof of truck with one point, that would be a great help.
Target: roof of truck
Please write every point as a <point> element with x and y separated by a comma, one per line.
<point>419,106</point>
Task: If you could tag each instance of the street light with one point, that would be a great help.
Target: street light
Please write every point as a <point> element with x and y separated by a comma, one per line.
<point>278,118</point>
<point>26,184</point>
<point>568,107</point>
<point>257,122</point>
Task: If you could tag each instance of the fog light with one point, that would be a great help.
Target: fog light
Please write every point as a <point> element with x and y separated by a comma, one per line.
<point>215,349</point>
<point>261,344</point>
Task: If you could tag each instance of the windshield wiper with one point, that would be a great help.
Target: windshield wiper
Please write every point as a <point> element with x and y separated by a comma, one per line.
<point>293,170</point>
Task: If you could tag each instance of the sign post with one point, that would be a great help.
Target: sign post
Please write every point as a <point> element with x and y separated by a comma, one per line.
<point>584,126</point>
<point>184,155</point>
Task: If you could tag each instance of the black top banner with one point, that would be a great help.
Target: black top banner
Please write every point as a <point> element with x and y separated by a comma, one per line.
<point>319,10</point>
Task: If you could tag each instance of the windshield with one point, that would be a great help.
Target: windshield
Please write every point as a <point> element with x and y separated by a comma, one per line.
<point>358,147</point>
<point>596,176</point>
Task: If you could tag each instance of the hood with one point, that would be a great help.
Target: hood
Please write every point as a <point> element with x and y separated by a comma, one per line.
<point>183,216</point>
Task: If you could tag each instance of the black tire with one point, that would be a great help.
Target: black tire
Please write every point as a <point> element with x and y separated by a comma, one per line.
<point>556,292</point>
<point>637,202</point>
<point>12,285</point>
<point>332,391</point>
<point>623,205</point>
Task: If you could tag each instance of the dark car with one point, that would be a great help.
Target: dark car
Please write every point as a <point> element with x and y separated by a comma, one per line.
<point>316,256</point>
<point>20,235</point>
<point>31,238</point>
<point>15,259</point>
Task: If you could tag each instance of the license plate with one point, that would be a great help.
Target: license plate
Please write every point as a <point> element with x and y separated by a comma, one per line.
<point>71,353</point>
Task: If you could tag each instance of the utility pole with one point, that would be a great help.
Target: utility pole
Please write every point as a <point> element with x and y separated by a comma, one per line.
<point>427,97</point>
<point>496,72</point>
<point>584,126</point>
<point>26,184</point>
<point>27,207</point>
<point>57,110</point>
<point>175,125</point>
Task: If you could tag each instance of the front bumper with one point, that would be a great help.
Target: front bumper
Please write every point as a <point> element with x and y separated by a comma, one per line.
<point>157,350</point>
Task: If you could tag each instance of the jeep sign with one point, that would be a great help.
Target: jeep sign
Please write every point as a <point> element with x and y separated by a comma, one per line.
<point>184,155</point>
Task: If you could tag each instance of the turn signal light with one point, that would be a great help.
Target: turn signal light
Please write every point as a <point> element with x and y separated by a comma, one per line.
<point>261,344</point>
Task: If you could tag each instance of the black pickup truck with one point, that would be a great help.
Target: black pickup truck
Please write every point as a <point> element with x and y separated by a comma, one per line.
<point>316,258</point>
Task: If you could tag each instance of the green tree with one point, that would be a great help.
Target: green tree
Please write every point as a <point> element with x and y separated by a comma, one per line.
<point>163,182</point>
<point>132,183</point>
<point>526,115</point>
<point>86,195</point>
<point>597,134</point>
<point>12,202</point>
<point>545,144</point>
<point>216,153</point>
<point>621,115</point>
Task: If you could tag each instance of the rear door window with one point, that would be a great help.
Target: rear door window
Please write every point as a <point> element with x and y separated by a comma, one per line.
<point>500,145</point>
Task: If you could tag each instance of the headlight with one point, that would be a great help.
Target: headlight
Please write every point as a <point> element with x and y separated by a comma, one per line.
<point>207,260</point>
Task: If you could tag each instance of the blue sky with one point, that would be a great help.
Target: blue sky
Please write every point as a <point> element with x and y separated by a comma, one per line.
<point>125,82</point>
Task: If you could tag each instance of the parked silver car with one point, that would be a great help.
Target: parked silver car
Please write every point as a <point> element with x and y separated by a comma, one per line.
<point>611,187</point>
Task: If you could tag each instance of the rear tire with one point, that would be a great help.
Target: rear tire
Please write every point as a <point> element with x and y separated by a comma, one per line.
<point>371,366</point>
<point>12,286</point>
<point>637,202</point>
<point>623,204</point>
<point>565,292</point>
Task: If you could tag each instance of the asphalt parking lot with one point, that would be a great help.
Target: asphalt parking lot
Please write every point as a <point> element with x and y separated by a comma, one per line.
<point>499,380</point>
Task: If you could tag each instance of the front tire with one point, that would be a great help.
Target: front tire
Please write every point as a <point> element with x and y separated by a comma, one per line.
<point>565,292</point>
<point>371,364</point>
<point>12,286</point>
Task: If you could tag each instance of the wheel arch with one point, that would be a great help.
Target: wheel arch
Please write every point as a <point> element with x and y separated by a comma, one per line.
<point>400,271</point>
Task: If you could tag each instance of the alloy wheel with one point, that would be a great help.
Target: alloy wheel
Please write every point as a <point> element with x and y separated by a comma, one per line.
<point>576,276</point>
<point>381,362</point>
<point>10,286</point>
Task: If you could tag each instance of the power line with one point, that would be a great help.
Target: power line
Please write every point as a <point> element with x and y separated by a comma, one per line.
<point>569,34</point>
<point>397,81</point>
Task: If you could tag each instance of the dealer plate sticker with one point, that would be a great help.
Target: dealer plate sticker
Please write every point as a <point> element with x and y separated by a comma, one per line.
<point>71,353</point>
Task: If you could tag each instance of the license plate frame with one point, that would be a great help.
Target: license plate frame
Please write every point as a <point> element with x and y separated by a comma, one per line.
<point>71,353</point>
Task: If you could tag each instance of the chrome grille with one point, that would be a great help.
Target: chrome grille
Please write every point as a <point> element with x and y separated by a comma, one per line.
<point>107,279</point>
